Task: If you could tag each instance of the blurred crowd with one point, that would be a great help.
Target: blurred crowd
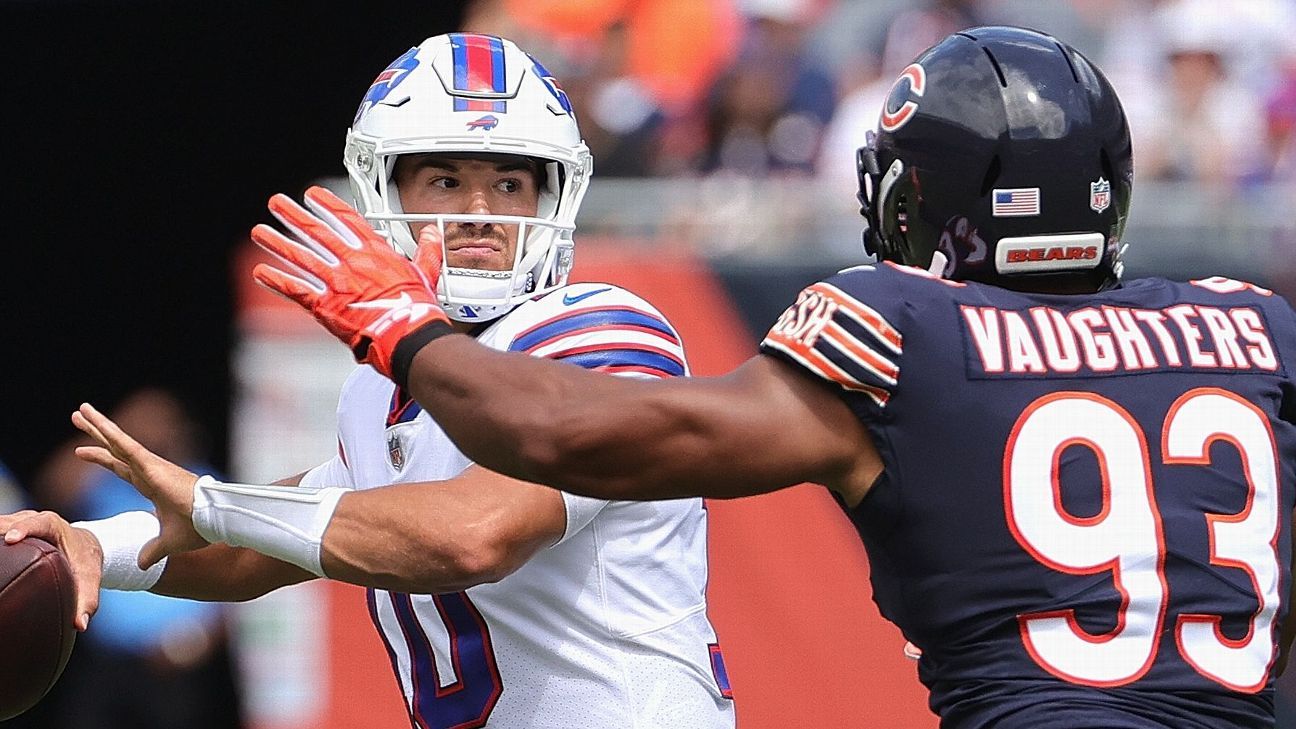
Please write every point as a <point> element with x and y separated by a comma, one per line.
<point>148,662</point>
<point>761,88</point>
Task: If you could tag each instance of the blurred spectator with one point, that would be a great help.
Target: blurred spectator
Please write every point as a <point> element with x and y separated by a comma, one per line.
<point>767,113</point>
<point>1280,118</point>
<point>11,497</point>
<point>635,76</point>
<point>1199,123</point>
<point>147,662</point>
<point>909,34</point>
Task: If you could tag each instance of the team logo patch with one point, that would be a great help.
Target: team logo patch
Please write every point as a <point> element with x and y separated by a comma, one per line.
<point>902,102</point>
<point>395,451</point>
<point>388,80</point>
<point>485,123</point>
<point>1099,195</point>
<point>1015,202</point>
<point>551,83</point>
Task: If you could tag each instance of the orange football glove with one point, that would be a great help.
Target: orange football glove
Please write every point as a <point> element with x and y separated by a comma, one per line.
<point>352,281</point>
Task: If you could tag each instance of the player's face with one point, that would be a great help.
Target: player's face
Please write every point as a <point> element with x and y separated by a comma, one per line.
<point>488,184</point>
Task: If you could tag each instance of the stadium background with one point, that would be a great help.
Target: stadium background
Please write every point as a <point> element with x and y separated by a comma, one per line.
<point>141,140</point>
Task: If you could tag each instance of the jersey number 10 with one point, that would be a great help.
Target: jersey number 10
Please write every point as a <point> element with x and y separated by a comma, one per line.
<point>1126,538</point>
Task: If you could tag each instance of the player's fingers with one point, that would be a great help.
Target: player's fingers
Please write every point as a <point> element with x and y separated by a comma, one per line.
<point>151,553</point>
<point>342,218</point>
<point>312,233</point>
<point>87,606</point>
<point>116,440</point>
<point>33,525</point>
<point>101,457</point>
<point>306,263</point>
<point>87,580</point>
<point>86,427</point>
<point>293,288</point>
<point>430,254</point>
<point>9,520</point>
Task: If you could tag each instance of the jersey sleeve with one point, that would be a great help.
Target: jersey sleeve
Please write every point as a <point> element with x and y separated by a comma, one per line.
<point>333,472</point>
<point>832,333</point>
<point>605,328</point>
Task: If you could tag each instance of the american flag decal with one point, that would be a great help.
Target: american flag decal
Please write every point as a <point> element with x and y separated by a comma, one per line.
<point>1015,202</point>
<point>840,339</point>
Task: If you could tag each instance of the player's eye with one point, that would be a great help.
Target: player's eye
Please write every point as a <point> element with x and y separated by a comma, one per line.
<point>509,185</point>
<point>445,183</point>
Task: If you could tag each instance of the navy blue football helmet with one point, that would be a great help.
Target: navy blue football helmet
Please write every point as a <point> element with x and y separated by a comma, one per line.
<point>1002,155</point>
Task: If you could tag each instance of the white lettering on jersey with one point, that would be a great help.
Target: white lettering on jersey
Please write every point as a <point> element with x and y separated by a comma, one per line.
<point>1112,339</point>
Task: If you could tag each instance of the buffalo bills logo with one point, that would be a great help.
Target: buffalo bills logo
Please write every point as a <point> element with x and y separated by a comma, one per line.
<point>387,81</point>
<point>551,83</point>
<point>485,123</point>
<point>901,103</point>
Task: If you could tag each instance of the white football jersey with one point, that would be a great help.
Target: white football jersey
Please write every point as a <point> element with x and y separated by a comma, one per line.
<point>605,629</point>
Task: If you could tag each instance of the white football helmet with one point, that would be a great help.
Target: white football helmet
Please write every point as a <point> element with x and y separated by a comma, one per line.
<point>464,92</point>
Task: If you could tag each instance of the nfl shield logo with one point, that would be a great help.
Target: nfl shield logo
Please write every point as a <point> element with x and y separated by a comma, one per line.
<point>1099,195</point>
<point>395,452</point>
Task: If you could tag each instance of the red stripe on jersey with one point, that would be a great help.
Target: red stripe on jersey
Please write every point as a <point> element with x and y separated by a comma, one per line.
<point>613,369</point>
<point>839,338</point>
<point>601,328</point>
<point>820,365</point>
<point>593,309</point>
<point>614,347</point>
<point>866,316</point>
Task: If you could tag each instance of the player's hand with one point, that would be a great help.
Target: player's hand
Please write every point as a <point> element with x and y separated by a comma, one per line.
<point>80,547</point>
<point>347,276</point>
<point>167,485</point>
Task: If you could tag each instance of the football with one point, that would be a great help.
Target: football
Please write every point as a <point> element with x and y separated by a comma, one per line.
<point>37,601</point>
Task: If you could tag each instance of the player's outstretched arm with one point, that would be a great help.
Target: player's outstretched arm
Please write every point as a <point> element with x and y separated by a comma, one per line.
<point>441,537</point>
<point>760,428</point>
<point>425,538</point>
<point>215,573</point>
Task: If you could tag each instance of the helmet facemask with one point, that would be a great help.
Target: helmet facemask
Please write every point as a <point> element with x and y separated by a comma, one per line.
<point>530,118</point>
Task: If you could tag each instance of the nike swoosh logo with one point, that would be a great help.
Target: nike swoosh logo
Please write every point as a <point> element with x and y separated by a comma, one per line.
<point>401,302</point>
<point>568,299</point>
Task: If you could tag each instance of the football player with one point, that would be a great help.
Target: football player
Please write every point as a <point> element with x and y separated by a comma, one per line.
<point>1076,492</point>
<point>501,603</point>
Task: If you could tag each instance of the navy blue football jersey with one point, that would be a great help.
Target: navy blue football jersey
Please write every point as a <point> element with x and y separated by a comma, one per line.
<point>1084,515</point>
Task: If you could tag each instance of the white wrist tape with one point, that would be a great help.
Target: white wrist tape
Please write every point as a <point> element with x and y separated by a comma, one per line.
<point>122,537</point>
<point>284,522</point>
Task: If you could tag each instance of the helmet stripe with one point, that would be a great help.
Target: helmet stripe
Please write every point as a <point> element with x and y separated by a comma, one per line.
<point>478,68</point>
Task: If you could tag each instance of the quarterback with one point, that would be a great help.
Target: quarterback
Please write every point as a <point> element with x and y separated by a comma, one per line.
<point>501,603</point>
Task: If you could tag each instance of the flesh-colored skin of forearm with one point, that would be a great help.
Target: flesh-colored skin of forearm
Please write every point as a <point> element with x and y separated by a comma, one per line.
<point>430,538</point>
<point>760,428</point>
<point>221,573</point>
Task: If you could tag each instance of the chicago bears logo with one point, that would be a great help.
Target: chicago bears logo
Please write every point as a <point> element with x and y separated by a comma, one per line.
<point>551,83</point>
<point>387,81</point>
<point>485,123</point>
<point>901,103</point>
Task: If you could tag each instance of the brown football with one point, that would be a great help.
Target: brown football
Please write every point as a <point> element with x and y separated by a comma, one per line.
<point>37,601</point>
